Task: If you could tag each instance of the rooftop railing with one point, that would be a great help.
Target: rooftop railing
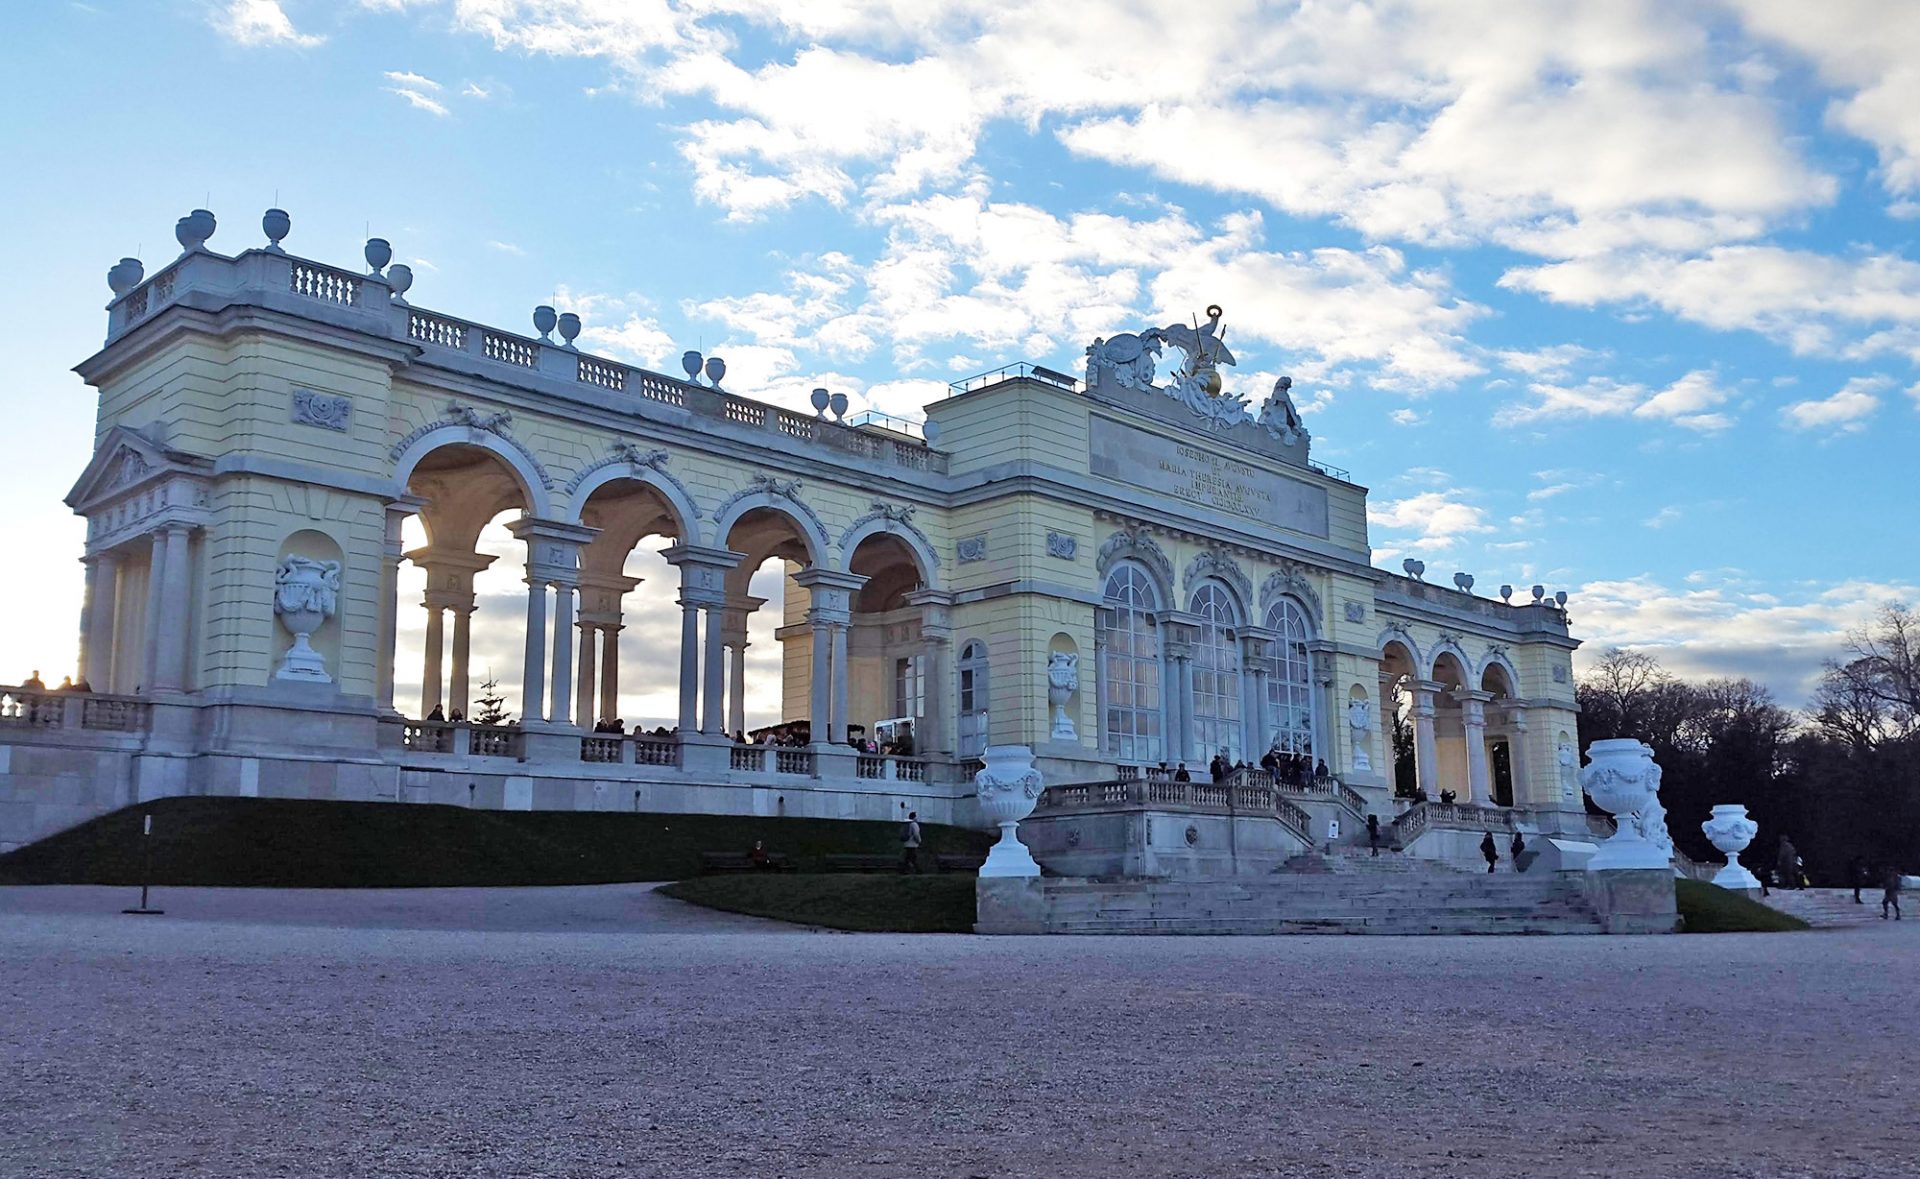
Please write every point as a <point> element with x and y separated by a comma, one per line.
<point>366,302</point>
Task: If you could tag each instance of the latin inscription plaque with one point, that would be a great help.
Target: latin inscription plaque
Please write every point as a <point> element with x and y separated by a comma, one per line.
<point>1190,472</point>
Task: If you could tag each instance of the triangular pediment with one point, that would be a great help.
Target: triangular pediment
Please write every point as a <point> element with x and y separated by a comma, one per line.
<point>127,459</point>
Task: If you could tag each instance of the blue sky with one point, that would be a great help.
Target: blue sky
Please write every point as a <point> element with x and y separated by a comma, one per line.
<point>1620,298</point>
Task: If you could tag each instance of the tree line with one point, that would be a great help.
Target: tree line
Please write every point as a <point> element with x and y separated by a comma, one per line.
<point>1841,777</point>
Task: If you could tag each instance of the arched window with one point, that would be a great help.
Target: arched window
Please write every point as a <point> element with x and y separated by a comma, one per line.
<point>1131,690</point>
<point>1216,674</point>
<point>973,699</point>
<point>1290,679</point>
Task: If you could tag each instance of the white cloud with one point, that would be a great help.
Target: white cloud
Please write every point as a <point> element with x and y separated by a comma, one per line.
<point>261,22</point>
<point>1813,303</point>
<point>419,101</point>
<point>1407,417</point>
<point>1687,403</point>
<point>1594,398</point>
<point>1846,411</point>
<point>507,248</point>
<point>1429,523</point>
<point>411,81</point>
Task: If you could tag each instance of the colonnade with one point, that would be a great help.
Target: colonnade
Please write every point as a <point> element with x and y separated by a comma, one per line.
<point>1424,697</point>
<point>165,661</point>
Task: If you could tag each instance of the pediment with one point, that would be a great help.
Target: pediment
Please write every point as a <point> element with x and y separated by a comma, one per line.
<point>127,459</point>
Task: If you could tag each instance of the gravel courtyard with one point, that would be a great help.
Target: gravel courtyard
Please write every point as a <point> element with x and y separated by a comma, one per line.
<point>609,1031</point>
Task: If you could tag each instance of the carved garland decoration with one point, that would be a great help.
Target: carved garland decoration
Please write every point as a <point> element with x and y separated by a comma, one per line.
<point>626,454</point>
<point>1291,580</point>
<point>899,518</point>
<point>773,488</point>
<point>1138,545</point>
<point>494,423</point>
<point>1214,563</point>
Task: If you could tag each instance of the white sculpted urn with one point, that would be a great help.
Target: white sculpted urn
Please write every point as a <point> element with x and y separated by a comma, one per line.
<point>1623,780</point>
<point>305,594</point>
<point>1360,720</point>
<point>1731,831</point>
<point>1063,680</point>
<point>1009,788</point>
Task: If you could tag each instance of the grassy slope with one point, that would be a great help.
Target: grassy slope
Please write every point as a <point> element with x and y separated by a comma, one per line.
<point>293,843</point>
<point>1708,908</point>
<point>886,904</point>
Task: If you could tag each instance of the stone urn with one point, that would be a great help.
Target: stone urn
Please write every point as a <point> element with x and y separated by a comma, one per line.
<point>378,252</point>
<point>1731,831</point>
<point>1009,788</point>
<point>1063,680</point>
<point>193,230</point>
<point>125,275</point>
<point>544,319</point>
<point>276,225</point>
<point>306,593</point>
<point>1623,780</point>
<point>399,281</point>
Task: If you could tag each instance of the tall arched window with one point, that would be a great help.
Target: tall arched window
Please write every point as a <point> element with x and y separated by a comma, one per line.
<point>1216,674</point>
<point>1131,691</point>
<point>1290,679</point>
<point>973,699</point>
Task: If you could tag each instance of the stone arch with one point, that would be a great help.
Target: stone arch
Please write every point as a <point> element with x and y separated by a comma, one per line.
<point>645,468</point>
<point>1496,659</point>
<point>534,481</point>
<point>1218,566</point>
<point>891,521</point>
<point>1392,635</point>
<point>1291,582</point>
<point>1135,545</point>
<point>780,496</point>
<point>1448,647</point>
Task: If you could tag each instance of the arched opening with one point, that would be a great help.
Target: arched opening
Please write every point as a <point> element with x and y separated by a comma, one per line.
<point>1399,669</point>
<point>466,570</point>
<point>629,617</point>
<point>776,691</point>
<point>894,689</point>
<point>1504,737</point>
<point>1217,727</point>
<point>1132,706</point>
<point>1454,757</point>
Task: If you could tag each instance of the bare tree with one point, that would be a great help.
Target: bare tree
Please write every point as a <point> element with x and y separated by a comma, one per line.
<point>1846,709</point>
<point>1885,667</point>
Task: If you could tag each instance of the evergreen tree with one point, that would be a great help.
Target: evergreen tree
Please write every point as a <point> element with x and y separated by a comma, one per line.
<point>492,710</point>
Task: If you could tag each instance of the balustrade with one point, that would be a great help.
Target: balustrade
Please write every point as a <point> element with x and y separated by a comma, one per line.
<point>37,708</point>
<point>112,714</point>
<point>325,284</point>
<point>602,750</point>
<point>603,374</point>
<point>427,737</point>
<point>510,350</point>
<point>750,759</point>
<point>494,741</point>
<point>432,329</point>
<point>650,751</point>
<point>793,761</point>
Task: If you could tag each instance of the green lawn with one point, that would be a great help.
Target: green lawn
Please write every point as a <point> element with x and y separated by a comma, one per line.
<point>289,843</point>
<point>874,903</point>
<point>1708,908</point>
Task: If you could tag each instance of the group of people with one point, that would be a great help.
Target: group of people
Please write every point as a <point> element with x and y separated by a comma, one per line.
<point>33,683</point>
<point>1293,769</point>
<point>1516,848</point>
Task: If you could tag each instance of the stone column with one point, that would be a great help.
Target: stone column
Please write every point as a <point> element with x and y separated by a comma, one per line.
<point>1517,754</point>
<point>533,673</point>
<point>716,671</point>
<point>934,726</point>
<point>177,608</point>
<point>1180,738</point>
<point>458,686</point>
<point>610,671</point>
<point>563,594</point>
<point>1324,721</point>
<point>585,710</point>
<point>103,591</point>
<point>737,677</point>
<point>1426,754</point>
<point>390,557</point>
<point>839,683</point>
<point>156,588</point>
<point>1100,616</point>
<point>1473,722</point>
<point>430,678</point>
<point>821,679</point>
<point>689,665</point>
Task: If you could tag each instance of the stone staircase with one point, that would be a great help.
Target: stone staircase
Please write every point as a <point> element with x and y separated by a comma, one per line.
<point>1375,901</point>
<point>1830,907</point>
<point>1344,860</point>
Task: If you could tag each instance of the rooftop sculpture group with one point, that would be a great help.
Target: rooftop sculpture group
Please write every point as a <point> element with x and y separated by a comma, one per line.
<point>1129,361</point>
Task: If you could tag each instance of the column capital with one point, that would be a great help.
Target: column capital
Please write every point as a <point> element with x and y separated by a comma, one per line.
<point>703,572</point>
<point>553,549</point>
<point>936,613</point>
<point>831,592</point>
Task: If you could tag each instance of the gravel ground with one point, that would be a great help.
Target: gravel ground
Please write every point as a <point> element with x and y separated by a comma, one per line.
<point>608,1031</point>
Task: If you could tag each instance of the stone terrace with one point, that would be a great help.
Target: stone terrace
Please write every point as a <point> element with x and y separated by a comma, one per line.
<point>575,1032</point>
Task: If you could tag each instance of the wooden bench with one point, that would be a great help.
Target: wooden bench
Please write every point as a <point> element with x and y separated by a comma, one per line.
<point>714,863</point>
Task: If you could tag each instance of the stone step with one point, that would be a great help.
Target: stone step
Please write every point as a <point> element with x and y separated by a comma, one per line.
<point>1827,907</point>
<point>1441,923</point>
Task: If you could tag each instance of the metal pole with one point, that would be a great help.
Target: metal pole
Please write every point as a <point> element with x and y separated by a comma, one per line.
<point>146,866</point>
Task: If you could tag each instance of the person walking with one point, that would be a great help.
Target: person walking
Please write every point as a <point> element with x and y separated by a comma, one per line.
<point>1861,877</point>
<point>1373,833</point>
<point>910,844</point>
<point>1890,897</point>
<point>1491,850</point>
<point>1517,849</point>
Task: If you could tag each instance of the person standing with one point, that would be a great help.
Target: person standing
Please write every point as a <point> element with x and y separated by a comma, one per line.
<point>1861,878</point>
<point>910,843</point>
<point>1373,833</point>
<point>1786,864</point>
<point>1491,850</point>
<point>1517,848</point>
<point>1890,897</point>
